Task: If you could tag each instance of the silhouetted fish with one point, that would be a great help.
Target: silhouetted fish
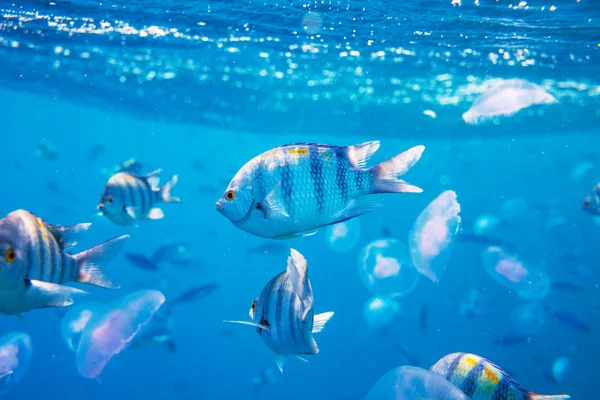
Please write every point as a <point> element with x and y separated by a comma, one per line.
<point>423,318</point>
<point>567,286</point>
<point>512,339</point>
<point>567,318</point>
<point>195,293</point>
<point>140,261</point>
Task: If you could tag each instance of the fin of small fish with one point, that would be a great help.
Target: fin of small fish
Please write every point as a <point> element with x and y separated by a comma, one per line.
<point>165,191</point>
<point>153,179</point>
<point>67,236</point>
<point>296,235</point>
<point>131,212</point>
<point>45,294</point>
<point>533,396</point>
<point>359,154</point>
<point>320,320</point>
<point>156,213</point>
<point>280,361</point>
<point>302,359</point>
<point>297,273</point>
<point>265,327</point>
<point>91,261</point>
<point>272,206</point>
<point>355,208</point>
<point>386,174</point>
<point>5,378</point>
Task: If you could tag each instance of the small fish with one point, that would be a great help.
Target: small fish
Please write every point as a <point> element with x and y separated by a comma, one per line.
<point>53,187</point>
<point>591,203</point>
<point>480,379</point>
<point>567,318</point>
<point>195,293</point>
<point>141,261</point>
<point>386,232</point>
<point>169,252</point>
<point>34,265</point>
<point>512,339</point>
<point>284,315</point>
<point>293,190</point>
<point>423,318</point>
<point>47,150</point>
<point>567,286</point>
<point>269,247</point>
<point>128,198</point>
<point>95,152</point>
<point>471,307</point>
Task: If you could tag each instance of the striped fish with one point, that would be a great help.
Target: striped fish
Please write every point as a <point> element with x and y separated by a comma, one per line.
<point>480,379</point>
<point>283,312</point>
<point>128,198</point>
<point>34,265</point>
<point>295,189</point>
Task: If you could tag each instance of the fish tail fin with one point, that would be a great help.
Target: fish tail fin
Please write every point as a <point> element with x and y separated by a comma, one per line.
<point>91,261</point>
<point>385,175</point>
<point>533,396</point>
<point>165,191</point>
<point>359,154</point>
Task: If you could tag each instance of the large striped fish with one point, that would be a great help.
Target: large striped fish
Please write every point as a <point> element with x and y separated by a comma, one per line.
<point>128,198</point>
<point>283,312</point>
<point>295,189</point>
<point>34,265</point>
<point>480,379</point>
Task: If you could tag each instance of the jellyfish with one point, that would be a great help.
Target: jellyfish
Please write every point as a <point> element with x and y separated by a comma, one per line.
<point>380,311</point>
<point>343,236</point>
<point>528,319</point>
<point>432,236</point>
<point>386,269</point>
<point>413,383</point>
<point>74,322</point>
<point>111,331</point>
<point>514,209</point>
<point>485,224</point>
<point>15,353</point>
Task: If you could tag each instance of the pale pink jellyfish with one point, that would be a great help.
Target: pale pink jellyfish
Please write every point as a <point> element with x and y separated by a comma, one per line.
<point>15,353</point>
<point>432,236</point>
<point>110,332</point>
<point>74,322</point>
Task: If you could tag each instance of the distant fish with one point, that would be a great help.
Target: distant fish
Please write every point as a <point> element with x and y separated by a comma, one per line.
<point>284,315</point>
<point>128,198</point>
<point>480,379</point>
<point>169,252</point>
<point>293,190</point>
<point>141,261</point>
<point>46,149</point>
<point>53,187</point>
<point>591,203</point>
<point>423,317</point>
<point>569,319</point>
<point>195,293</point>
<point>564,286</point>
<point>386,232</point>
<point>95,152</point>
<point>34,265</point>
<point>512,339</point>
<point>485,240</point>
<point>268,247</point>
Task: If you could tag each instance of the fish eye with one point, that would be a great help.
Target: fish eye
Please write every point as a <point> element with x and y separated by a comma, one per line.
<point>253,305</point>
<point>230,195</point>
<point>586,203</point>
<point>10,255</point>
<point>109,200</point>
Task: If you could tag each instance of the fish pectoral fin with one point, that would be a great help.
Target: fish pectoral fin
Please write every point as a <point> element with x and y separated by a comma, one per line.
<point>280,361</point>
<point>295,235</point>
<point>302,359</point>
<point>355,208</point>
<point>45,294</point>
<point>5,378</point>
<point>272,205</point>
<point>67,236</point>
<point>155,213</point>
<point>320,320</point>
<point>131,212</point>
<point>265,327</point>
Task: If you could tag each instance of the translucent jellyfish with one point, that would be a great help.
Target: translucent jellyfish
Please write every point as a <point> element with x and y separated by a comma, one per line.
<point>386,269</point>
<point>75,321</point>
<point>514,209</point>
<point>505,98</point>
<point>380,311</point>
<point>432,236</point>
<point>485,224</point>
<point>528,319</point>
<point>343,236</point>
<point>413,383</point>
<point>560,369</point>
<point>509,271</point>
<point>15,352</point>
<point>111,331</point>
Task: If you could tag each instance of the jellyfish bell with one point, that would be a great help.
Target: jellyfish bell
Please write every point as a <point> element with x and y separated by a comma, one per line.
<point>386,268</point>
<point>380,311</point>
<point>343,236</point>
<point>15,353</point>
<point>74,322</point>
<point>413,383</point>
<point>112,330</point>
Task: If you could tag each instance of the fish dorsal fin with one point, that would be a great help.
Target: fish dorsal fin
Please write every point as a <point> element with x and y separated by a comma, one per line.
<point>153,179</point>
<point>297,273</point>
<point>359,154</point>
<point>66,236</point>
<point>320,320</point>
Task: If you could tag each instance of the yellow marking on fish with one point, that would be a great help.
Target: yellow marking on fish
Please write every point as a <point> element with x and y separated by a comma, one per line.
<point>491,376</point>
<point>130,178</point>
<point>470,360</point>
<point>298,150</point>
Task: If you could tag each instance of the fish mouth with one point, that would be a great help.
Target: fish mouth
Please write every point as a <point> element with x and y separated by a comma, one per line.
<point>219,206</point>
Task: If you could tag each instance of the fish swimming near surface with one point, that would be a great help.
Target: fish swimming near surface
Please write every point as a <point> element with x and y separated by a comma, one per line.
<point>284,315</point>
<point>295,189</point>
<point>128,198</point>
<point>34,265</point>
<point>480,379</point>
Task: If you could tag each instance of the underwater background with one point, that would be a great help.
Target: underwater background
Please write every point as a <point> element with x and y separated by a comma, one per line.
<point>199,88</point>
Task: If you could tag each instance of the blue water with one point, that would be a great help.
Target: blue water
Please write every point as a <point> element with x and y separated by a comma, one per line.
<point>199,88</point>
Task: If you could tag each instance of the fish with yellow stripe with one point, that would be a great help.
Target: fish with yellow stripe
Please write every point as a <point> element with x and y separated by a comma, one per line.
<point>127,198</point>
<point>34,265</point>
<point>480,379</point>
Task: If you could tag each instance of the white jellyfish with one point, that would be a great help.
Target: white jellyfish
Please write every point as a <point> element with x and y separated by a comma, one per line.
<point>380,311</point>
<point>343,236</point>
<point>15,353</point>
